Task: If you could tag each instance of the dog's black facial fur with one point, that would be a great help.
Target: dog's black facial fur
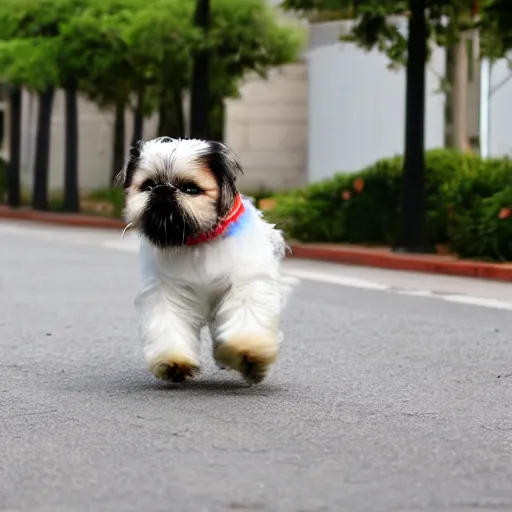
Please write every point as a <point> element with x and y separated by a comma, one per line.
<point>226,167</point>
<point>163,222</point>
<point>131,165</point>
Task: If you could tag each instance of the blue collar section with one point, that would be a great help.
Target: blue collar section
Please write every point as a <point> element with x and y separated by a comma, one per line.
<point>244,221</point>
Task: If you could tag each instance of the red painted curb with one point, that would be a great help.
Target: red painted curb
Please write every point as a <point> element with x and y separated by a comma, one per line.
<point>74,220</point>
<point>435,264</point>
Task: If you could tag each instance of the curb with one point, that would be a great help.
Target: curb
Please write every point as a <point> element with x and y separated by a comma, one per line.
<point>384,258</point>
<point>352,255</point>
<point>62,219</point>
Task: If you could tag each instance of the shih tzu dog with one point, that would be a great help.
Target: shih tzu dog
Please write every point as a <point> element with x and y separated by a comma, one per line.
<point>207,259</point>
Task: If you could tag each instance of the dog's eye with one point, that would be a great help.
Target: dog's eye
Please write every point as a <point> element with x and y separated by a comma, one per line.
<point>148,185</point>
<point>191,189</point>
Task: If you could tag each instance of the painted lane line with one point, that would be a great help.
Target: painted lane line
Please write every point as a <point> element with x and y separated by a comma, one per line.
<point>360,283</point>
<point>352,282</point>
<point>479,301</point>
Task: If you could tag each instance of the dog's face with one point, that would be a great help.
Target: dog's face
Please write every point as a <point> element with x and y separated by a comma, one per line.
<point>178,188</point>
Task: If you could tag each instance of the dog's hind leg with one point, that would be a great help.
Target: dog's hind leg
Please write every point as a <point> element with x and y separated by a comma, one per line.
<point>170,331</point>
<point>245,329</point>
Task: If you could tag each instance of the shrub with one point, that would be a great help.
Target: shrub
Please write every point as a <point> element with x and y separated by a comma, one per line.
<point>464,197</point>
<point>112,196</point>
<point>485,230</point>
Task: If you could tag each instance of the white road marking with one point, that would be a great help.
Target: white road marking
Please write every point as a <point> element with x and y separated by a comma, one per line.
<point>294,269</point>
<point>353,282</point>
<point>478,301</point>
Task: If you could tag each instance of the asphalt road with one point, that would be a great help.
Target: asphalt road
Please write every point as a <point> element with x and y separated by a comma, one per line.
<point>382,400</point>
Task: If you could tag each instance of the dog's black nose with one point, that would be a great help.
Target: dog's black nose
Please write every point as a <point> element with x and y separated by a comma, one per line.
<point>163,194</point>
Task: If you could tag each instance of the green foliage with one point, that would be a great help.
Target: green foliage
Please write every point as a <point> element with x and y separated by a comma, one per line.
<point>249,36</point>
<point>115,48</point>
<point>30,45</point>
<point>114,196</point>
<point>377,24</point>
<point>464,194</point>
<point>495,28</point>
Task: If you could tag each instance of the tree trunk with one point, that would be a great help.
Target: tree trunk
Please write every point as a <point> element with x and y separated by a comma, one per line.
<point>448,104</point>
<point>42,155</point>
<point>71,193</point>
<point>138,120</point>
<point>413,236</point>
<point>217,120</point>
<point>13,166</point>
<point>171,120</point>
<point>119,142</point>
<point>200,93</point>
<point>180,115</point>
<point>459,99</point>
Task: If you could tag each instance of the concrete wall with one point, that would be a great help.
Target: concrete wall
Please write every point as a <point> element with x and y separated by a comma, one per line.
<point>357,104</point>
<point>268,128</point>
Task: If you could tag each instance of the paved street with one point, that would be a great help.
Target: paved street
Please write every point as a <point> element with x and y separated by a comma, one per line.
<point>393,393</point>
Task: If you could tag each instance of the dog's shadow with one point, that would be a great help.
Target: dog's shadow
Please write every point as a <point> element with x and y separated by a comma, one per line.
<point>217,386</point>
<point>140,383</point>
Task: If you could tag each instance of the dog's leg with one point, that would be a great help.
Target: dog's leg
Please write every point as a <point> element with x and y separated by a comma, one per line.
<point>170,329</point>
<point>245,329</point>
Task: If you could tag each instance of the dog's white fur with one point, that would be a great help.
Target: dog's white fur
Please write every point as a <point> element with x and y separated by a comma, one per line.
<point>231,284</point>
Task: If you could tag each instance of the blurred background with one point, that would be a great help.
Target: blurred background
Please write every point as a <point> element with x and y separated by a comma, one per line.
<point>303,90</point>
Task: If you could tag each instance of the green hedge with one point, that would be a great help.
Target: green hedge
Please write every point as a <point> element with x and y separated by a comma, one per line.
<point>467,205</point>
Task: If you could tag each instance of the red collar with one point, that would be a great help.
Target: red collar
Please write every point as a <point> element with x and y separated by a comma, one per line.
<point>233,215</point>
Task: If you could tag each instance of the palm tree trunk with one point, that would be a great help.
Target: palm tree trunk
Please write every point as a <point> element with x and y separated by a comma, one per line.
<point>119,142</point>
<point>42,156</point>
<point>71,194</point>
<point>13,167</point>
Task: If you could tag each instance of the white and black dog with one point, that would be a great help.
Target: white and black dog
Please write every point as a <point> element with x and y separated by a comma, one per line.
<point>208,258</point>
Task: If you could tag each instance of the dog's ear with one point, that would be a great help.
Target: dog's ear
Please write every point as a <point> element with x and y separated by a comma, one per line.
<point>226,167</point>
<point>124,178</point>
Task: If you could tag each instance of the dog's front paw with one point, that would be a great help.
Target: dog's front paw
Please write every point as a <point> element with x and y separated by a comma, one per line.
<point>173,368</point>
<point>251,355</point>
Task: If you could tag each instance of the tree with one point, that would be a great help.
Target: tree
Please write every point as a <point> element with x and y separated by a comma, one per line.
<point>245,37</point>
<point>94,43</point>
<point>29,62</point>
<point>13,166</point>
<point>200,91</point>
<point>377,26</point>
<point>32,58</point>
<point>137,55</point>
<point>163,46</point>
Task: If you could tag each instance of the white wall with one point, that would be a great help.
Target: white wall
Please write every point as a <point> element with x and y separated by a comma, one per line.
<point>500,110</point>
<point>357,105</point>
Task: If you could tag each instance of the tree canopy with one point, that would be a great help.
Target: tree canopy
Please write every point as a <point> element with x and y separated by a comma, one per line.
<point>376,22</point>
<point>113,48</point>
